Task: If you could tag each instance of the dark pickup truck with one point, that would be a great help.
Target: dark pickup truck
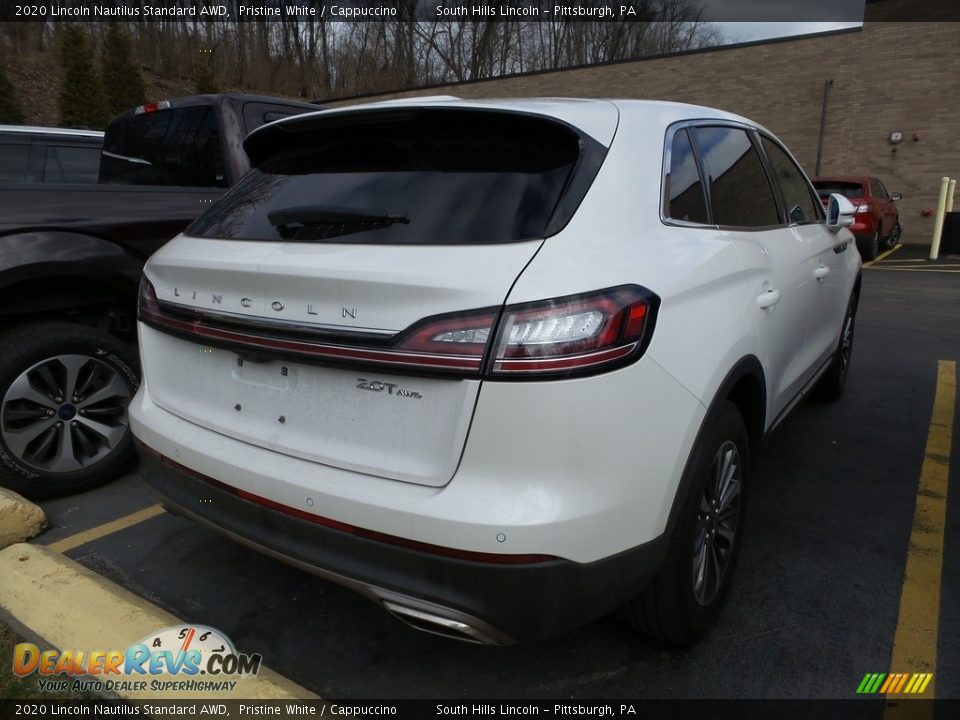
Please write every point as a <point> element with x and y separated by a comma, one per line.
<point>70,262</point>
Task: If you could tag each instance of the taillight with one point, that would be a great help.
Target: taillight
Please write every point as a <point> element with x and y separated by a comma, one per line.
<point>152,107</point>
<point>461,334</point>
<point>572,335</point>
<point>148,308</point>
<point>564,336</point>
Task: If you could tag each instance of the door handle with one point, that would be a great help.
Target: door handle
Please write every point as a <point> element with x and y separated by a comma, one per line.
<point>840,247</point>
<point>768,299</point>
<point>821,272</point>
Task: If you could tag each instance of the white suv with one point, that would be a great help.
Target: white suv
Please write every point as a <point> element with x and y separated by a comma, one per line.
<point>499,366</point>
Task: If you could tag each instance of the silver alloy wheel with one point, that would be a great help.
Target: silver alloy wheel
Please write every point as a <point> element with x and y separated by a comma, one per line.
<point>717,522</point>
<point>846,342</point>
<point>65,413</point>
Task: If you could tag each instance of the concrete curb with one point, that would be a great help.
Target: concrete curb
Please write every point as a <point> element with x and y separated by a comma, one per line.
<point>72,608</point>
<point>20,519</point>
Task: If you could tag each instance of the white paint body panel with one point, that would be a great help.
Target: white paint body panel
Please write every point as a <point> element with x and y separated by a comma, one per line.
<point>543,473</point>
<point>388,287</point>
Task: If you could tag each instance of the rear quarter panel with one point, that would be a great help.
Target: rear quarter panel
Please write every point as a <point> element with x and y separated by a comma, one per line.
<point>705,324</point>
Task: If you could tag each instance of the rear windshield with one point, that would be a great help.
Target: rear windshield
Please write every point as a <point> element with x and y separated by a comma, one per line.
<point>847,189</point>
<point>178,146</point>
<point>423,178</point>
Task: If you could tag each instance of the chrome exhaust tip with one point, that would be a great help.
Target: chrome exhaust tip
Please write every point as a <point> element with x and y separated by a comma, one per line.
<point>461,628</point>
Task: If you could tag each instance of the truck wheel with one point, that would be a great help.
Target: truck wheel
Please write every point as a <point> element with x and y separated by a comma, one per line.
<point>64,391</point>
<point>684,600</point>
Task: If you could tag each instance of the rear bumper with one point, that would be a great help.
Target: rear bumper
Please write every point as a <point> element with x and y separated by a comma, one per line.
<point>481,601</point>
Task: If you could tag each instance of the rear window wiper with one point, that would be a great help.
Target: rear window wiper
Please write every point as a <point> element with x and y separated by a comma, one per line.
<point>329,215</point>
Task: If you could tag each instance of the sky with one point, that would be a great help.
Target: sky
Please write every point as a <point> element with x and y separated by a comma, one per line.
<point>744,31</point>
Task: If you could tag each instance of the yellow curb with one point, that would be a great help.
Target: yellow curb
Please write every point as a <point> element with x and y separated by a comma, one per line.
<point>72,608</point>
<point>20,519</point>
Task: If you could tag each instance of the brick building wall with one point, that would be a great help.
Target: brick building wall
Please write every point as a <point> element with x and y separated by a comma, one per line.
<point>887,76</point>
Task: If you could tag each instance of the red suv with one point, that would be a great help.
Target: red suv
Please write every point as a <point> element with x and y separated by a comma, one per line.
<point>877,222</point>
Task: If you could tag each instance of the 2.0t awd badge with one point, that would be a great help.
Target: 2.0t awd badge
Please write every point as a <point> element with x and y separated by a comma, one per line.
<point>391,388</point>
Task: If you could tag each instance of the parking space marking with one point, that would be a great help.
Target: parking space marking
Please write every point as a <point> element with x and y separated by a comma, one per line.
<point>897,264</point>
<point>55,601</point>
<point>915,640</point>
<point>82,538</point>
<point>914,269</point>
<point>883,255</point>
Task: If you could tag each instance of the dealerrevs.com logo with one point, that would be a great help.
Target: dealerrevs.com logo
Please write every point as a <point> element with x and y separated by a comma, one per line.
<point>186,659</point>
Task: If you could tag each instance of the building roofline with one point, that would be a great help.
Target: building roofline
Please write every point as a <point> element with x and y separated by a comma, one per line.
<point>607,63</point>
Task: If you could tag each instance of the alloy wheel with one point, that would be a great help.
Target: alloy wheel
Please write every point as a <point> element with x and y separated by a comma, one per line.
<point>717,523</point>
<point>65,413</point>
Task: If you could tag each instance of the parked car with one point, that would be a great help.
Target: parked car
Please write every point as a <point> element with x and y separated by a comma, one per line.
<point>49,155</point>
<point>70,262</point>
<point>500,366</point>
<point>877,222</point>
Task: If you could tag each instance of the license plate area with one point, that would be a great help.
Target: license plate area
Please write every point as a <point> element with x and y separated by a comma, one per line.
<point>400,427</point>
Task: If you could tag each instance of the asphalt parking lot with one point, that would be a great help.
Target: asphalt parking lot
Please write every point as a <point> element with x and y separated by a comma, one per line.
<point>816,602</point>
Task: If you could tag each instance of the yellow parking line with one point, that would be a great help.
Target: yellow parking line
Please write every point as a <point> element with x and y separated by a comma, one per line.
<point>912,269</point>
<point>69,607</point>
<point>82,538</point>
<point>882,255</point>
<point>915,640</point>
<point>895,265</point>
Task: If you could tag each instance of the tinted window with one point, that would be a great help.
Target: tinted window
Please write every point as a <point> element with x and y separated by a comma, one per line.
<point>879,190</point>
<point>850,190</point>
<point>801,202</point>
<point>13,162</point>
<point>739,190</point>
<point>271,116</point>
<point>435,178</point>
<point>685,200</point>
<point>64,164</point>
<point>256,114</point>
<point>168,147</point>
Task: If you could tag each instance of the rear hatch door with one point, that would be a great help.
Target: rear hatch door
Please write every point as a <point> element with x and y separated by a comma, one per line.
<point>336,305</point>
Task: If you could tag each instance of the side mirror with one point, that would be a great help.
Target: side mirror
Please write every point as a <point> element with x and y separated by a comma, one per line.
<point>896,196</point>
<point>840,212</point>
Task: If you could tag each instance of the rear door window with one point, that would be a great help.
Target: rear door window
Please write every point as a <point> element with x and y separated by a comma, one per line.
<point>431,177</point>
<point>178,146</point>
<point>801,201</point>
<point>71,164</point>
<point>740,192</point>
<point>14,158</point>
<point>684,189</point>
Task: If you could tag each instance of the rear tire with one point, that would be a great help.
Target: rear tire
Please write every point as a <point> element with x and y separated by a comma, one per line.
<point>685,598</point>
<point>834,380</point>
<point>64,391</point>
<point>871,248</point>
<point>894,236</point>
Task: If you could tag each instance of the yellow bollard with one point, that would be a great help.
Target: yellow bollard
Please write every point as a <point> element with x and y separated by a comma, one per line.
<point>950,191</point>
<point>938,218</point>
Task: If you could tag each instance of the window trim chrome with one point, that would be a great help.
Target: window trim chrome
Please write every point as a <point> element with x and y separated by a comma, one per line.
<point>753,133</point>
